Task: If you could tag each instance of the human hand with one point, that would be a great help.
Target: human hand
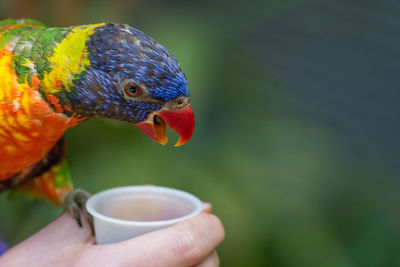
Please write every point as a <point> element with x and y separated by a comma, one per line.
<point>63,243</point>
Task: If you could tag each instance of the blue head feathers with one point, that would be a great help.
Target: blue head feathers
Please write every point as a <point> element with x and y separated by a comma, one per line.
<point>120,56</point>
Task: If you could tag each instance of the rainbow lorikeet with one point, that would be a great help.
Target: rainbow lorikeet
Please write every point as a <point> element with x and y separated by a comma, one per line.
<point>54,78</point>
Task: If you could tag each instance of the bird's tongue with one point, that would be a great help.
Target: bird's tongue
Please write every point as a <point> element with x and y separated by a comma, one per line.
<point>155,130</point>
<point>180,121</point>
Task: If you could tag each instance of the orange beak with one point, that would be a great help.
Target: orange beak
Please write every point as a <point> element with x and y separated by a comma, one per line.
<point>180,121</point>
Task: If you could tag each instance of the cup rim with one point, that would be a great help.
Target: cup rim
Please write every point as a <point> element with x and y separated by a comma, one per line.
<point>143,188</point>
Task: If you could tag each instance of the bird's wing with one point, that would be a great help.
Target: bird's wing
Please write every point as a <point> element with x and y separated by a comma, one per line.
<point>49,178</point>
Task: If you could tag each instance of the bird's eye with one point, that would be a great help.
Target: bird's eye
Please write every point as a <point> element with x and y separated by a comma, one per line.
<point>132,89</point>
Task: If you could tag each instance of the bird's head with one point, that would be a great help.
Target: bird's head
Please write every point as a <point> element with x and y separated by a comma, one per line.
<point>133,78</point>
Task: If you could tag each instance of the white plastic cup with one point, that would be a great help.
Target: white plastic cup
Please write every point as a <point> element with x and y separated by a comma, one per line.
<point>110,229</point>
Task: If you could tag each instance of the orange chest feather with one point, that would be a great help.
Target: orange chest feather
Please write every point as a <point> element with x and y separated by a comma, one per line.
<point>29,127</point>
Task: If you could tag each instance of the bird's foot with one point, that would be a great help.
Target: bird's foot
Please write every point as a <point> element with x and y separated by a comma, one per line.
<point>74,202</point>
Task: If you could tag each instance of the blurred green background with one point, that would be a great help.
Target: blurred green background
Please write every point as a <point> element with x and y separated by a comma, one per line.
<point>296,140</point>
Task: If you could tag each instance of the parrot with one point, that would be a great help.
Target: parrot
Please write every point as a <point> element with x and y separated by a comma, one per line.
<point>53,78</point>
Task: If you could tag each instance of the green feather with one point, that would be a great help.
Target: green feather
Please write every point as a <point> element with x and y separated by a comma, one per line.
<point>8,22</point>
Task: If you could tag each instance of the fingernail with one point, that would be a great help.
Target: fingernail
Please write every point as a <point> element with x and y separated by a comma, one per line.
<point>207,206</point>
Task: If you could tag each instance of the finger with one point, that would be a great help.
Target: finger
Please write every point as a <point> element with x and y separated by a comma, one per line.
<point>64,229</point>
<point>61,238</point>
<point>207,207</point>
<point>183,244</point>
<point>212,260</point>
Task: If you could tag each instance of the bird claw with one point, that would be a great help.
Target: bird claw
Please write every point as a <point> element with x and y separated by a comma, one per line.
<point>74,202</point>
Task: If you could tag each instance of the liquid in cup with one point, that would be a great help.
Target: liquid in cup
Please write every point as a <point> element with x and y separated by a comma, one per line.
<point>145,208</point>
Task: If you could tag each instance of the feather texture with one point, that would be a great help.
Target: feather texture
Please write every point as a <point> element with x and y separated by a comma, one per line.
<point>54,78</point>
